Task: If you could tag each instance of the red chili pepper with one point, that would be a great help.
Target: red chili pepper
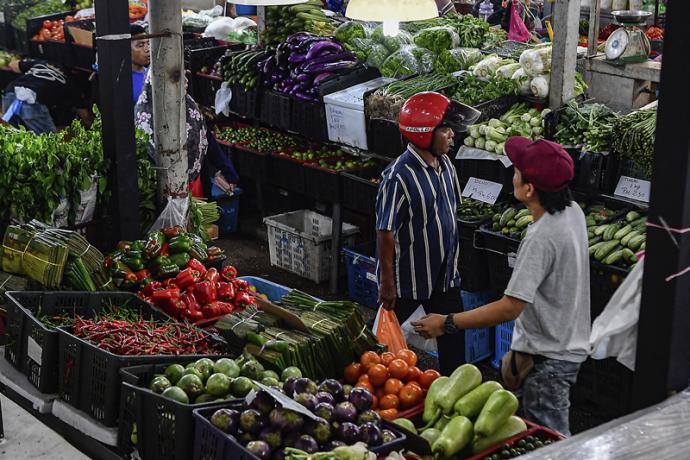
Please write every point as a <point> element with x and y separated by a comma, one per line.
<point>194,264</point>
<point>212,275</point>
<point>186,278</point>
<point>190,302</point>
<point>205,292</point>
<point>240,285</point>
<point>143,274</point>
<point>226,291</point>
<point>244,300</point>
<point>192,315</point>
<point>228,273</point>
<point>151,287</point>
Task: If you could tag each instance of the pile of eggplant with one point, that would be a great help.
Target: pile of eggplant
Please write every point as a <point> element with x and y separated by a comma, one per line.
<point>303,62</point>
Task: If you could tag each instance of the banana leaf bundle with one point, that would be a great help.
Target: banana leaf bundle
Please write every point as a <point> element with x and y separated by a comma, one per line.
<point>28,252</point>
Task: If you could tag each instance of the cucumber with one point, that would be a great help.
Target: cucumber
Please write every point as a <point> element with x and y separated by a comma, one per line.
<point>590,234</point>
<point>522,213</point>
<point>622,232</point>
<point>471,404</point>
<point>496,217</point>
<point>629,256</point>
<point>595,240</point>
<point>632,216</point>
<point>636,243</point>
<point>524,221</point>
<point>643,246</point>
<point>605,249</point>
<point>614,257</point>
<point>611,231</point>
<point>629,236</point>
<point>638,222</point>
<point>497,410</point>
<point>513,426</point>
<point>601,229</point>
<point>593,248</point>
<point>463,380</point>
<point>511,223</point>
<point>590,221</point>
<point>507,215</point>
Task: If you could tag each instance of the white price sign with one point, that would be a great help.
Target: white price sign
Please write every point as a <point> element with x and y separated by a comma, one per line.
<point>482,190</point>
<point>635,189</point>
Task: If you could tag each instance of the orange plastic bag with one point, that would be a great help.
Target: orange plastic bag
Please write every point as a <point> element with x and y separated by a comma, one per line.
<point>388,331</point>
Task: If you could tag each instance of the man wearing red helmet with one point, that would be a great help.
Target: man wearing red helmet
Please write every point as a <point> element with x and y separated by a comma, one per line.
<point>417,236</point>
<point>548,293</point>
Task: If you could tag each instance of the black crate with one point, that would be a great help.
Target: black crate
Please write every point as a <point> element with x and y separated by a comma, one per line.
<point>359,191</point>
<point>604,388</point>
<point>309,120</point>
<point>244,102</point>
<point>485,169</point>
<point>89,378</point>
<point>193,44</point>
<point>15,345</point>
<point>286,172</point>
<point>501,252</point>
<point>276,109</point>
<point>322,184</point>
<point>251,163</point>
<point>210,443</point>
<point>384,138</point>
<point>495,107</point>
<point>594,172</point>
<point>49,50</point>
<point>604,280</point>
<point>40,360</point>
<point>163,426</point>
<point>82,55</point>
<point>472,262</point>
<point>6,36</point>
<point>347,80</point>
<point>206,87</point>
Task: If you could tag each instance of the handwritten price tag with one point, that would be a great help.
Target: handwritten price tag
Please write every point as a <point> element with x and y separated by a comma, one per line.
<point>482,190</point>
<point>635,189</point>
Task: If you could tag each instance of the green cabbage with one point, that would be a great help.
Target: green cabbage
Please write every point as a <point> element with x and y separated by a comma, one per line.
<point>348,31</point>
<point>437,39</point>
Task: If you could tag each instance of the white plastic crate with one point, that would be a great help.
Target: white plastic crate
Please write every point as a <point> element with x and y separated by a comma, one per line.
<point>300,242</point>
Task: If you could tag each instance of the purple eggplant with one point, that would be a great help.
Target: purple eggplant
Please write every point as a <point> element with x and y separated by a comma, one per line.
<point>307,400</point>
<point>320,430</point>
<point>263,402</point>
<point>296,58</point>
<point>305,385</point>
<point>345,56</point>
<point>252,421</point>
<point>388,436</point>
<point>369,416</point>
<point>348,433</point>
<point>371,435</point>
<point>319,48</point>
<point>304,97</point>
<point>271,436</point>
<point>361,398</point>
<point>307,444</point>
<point>330,66</point>
<point>289,386</point>
<point>323,397</point>
<point>260,448</point>
<point>228,420</point>
<point>332,445</point>
<point>333,387</point>
<point>325,411</point>
<point>320,78</point>
<point>304,77</point>
<point>345,412</point>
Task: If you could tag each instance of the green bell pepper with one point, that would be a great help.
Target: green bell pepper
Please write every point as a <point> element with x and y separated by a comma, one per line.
<point>168,271</point>
<point>160,261</point>
<point>134,260</point>
<point>198,252</point>
<point>138,245</point>
<point>154,244</point>
<point>180,259</point>
<point>180,243</point>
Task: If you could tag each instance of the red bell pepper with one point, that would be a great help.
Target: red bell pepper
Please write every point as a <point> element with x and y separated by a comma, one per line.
<point>228,273</point>
<point>169,283</point>
<point>240,285</point>
<point>150,288</point>
<point>211,310</point>
<point>165,251</point>
<point>192,315</point>
<point>143,274</point>
<point>244,300</point>
<point>186,278</point>
<point>212,275</point>
<point>225,307</point>
<point>159,297</point>
<point>190,301</point>
<point>174,307</point>
<point>143,296</point>
<point>205,292</point>
<point>172,232</point>
<point>226,291</point>
<point>194,264</point>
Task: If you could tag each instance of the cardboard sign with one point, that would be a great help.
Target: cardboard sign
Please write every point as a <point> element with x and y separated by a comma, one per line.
<point>633,188</point>
<point>482,190</point>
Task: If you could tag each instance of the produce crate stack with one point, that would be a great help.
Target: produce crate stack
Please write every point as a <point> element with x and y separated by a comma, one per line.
<point>361,274</point>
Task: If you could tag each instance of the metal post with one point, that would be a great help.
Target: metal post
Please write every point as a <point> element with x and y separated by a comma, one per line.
<point>566,19</point>
<point>663,348</point>
<point>169,108</point>
<point>117,115</point>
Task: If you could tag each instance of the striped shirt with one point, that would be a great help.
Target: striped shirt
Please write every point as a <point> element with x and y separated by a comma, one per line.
<point>418,204</point>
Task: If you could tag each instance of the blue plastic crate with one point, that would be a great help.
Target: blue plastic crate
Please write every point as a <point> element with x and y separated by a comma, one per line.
<point>229,208</point>
<point>477,341</point>
<point>504,337</point>
<point>274,291</point>
<point>361,274</point>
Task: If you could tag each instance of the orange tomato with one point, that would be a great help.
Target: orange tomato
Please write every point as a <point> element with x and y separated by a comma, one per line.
<point>69,18</point>
<point>379,392</point>
<point>352,373</point>
<point>413,375</point>
<point>374,402</point>
<point>389,414</point>
<point>392,386</point>
<point>47,24</point>
<point>368,359</point>
<point>363,378</point>
<point>409,356</point>
<point>398,369</point>
<point>366,385</point>
<point>389,402</point>
<point>428,377</point>
<point>378,374</point>
<point>387,357</point>
<point>410,395</point>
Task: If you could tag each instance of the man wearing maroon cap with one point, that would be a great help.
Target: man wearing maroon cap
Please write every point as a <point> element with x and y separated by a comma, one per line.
<point>548,293</point>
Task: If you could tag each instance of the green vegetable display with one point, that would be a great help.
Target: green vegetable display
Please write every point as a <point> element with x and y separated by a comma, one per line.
<point>350,30</point>
<point>283,21</point>
<point>589,126</point>
<point>260,139</point>
<point>392,43</point>
<point>241,68</point>
<point>473,91</point>
<point>521,447</point>
<point>457,59</point>
<point>474,210</point>
<point>437,39</point>
<point>633,138</point>
<point>616,243</point>
<point>387,100</point>
<point>408,60</point>
<point>39,9</point>
<point>512,222</point>
<point>520,120</point>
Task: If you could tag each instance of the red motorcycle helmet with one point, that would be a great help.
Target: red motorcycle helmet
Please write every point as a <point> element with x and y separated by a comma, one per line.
<point>424,112</point>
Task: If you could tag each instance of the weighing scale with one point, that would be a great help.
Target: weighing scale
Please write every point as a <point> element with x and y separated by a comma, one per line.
<point>628,44</point>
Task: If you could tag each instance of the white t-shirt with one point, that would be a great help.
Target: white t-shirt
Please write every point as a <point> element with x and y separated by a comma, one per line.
<point>551,274</point>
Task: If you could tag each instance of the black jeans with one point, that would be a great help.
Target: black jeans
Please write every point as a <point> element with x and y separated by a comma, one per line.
<point>451,348</point>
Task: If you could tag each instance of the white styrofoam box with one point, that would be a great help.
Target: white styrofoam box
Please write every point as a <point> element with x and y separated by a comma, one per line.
<point>345,113</point>
<point>301,242</point>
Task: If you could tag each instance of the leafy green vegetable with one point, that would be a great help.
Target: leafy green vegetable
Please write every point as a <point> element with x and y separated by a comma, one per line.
<point>40,9</point>
<point>350,30</point>
<point>408,60</point>
<point>437,39</point>
<point>589,125</point>
<point>473,91</point>
<point>634,136</point>
<point>457,59</point>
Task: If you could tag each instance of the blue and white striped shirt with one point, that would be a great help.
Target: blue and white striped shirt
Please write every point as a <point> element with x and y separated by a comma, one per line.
<point>418,203</point>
